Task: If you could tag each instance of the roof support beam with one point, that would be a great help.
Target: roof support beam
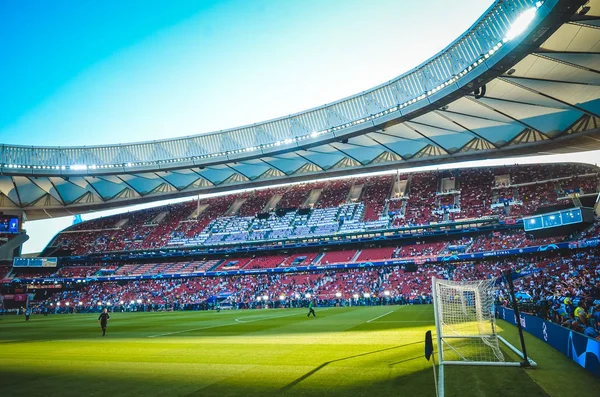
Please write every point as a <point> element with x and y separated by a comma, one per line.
<point>582,110</point>
<point>384,145</point>
<point>345,153</point>
<point>562,61</point>
<point>506,115</point>
<point>272,166</point>
<point>309,160</point>
<point>237,171</point>
<point>434,143</point>
<point>442,115</point>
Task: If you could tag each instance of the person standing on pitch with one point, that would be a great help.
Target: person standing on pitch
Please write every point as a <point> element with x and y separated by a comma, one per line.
<point>311,310</point>
<point>103,320</point>
<point>27,314</point>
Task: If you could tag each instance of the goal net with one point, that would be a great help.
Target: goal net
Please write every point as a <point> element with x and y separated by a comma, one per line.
<point>465,320</point>
<point>466,325</point>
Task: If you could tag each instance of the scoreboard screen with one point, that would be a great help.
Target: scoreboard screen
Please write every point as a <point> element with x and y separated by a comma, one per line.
<point>35,262</point>
<point>9,224</point>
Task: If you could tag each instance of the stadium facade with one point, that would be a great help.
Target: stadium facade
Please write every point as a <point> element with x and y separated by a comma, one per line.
<point>522,80</point>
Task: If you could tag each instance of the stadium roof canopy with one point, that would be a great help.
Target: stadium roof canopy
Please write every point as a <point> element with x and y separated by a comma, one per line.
<point>524,79</point>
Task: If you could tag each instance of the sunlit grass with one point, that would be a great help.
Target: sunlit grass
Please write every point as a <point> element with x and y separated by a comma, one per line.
<point>358,351</point>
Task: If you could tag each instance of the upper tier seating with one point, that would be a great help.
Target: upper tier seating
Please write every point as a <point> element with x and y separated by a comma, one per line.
<point>478,192</point>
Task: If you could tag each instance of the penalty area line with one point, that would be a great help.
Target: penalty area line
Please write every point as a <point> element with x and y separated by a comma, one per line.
<point>189,330</point>
<point>238,321</point>
<point>383,315</point>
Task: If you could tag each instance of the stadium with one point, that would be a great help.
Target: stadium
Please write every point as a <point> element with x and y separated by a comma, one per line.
<point>371,213</point>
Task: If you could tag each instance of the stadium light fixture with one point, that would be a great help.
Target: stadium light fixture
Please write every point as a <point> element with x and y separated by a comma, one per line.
<point>67,304</point>
<point>51,304</point>
<point>522,22</point>
<point>57,303</point>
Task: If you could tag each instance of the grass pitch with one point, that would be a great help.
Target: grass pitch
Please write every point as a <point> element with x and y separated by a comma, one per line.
<point>358,351</point>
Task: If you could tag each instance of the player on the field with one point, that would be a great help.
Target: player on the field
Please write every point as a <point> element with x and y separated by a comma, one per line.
<point>103,320</point>
<point>311,310</point>
<point>27,313</point>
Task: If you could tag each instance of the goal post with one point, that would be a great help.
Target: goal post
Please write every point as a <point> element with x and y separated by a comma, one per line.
<point>465,325</point>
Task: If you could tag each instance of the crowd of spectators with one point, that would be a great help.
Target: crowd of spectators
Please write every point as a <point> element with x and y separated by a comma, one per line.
<point>566,292</point>
<point>558,281</point>
<point>478,192</point>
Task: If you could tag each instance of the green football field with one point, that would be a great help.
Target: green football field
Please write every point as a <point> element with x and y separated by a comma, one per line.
<point>357,351</point>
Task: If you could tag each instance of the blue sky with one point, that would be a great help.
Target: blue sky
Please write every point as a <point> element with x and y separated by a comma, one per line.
<point>93,72</point>
<point>97,72</point>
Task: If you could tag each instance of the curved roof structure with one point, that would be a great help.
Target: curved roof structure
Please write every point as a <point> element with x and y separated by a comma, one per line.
<point>524,79</point>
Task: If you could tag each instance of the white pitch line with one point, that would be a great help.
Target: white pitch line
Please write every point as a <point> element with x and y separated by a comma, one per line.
<point>263,318</point>
<point>189,330</point>
<point>220,325</point>
<point>406,321</point>
<point>373,319</point>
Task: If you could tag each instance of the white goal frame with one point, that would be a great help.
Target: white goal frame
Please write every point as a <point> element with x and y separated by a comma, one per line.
<point>486,332</point>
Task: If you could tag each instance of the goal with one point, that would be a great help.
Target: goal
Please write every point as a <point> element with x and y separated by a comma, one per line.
<point>466,326</point>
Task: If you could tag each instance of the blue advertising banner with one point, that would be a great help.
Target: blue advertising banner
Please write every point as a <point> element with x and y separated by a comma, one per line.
<point>332,266</point>
<point>579,348</point>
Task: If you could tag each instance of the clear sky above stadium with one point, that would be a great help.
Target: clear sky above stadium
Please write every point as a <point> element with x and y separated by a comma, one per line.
<point>95,72</point>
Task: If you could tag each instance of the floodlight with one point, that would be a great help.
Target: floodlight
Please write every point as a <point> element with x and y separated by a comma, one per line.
<point>521,23</point>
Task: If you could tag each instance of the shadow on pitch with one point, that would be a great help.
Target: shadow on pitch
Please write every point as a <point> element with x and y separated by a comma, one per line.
<point>320,367</point>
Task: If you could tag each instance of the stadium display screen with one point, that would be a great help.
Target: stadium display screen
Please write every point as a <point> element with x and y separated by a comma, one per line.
<point>553,219</point>
<point>35,262</point>
<point>9,224</point>
<point>573,216</point>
